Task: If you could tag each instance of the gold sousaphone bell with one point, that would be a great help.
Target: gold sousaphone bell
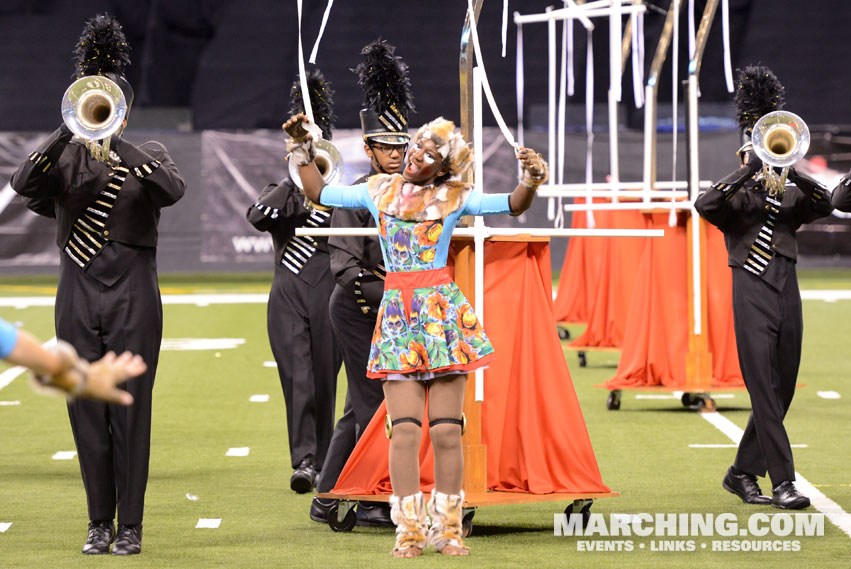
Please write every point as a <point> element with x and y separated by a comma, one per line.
<point>94,108</point>
<point>780,139</point>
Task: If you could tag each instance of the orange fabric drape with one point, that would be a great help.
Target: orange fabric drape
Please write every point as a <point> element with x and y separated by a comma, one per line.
<point>579,273</point>
<point>612,296</point>
<point>532,425</point>
<point>656,336</point>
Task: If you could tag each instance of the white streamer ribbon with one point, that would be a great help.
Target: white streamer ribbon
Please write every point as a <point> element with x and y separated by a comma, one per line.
<point>638,59</point>
<point>571,82</point>
<point>321,30</point>
<point>728,66</point>
<point>485,84</point>
<point>589,126</point>
<point>504,24</point>
<point>305,94</point>
<point>691,32</point>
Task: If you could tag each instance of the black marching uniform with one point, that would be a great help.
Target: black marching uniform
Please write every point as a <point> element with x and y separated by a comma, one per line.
<point>760,234</point>
<point>841,196</point>
<point>108,295</point>
<point>356,263</point>
<point>297,318</point>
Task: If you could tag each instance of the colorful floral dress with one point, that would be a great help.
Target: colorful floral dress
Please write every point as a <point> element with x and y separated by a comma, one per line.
<point>426,327</point>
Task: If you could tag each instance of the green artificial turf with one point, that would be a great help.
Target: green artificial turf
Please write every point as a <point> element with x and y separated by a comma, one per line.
<point>201,409</point>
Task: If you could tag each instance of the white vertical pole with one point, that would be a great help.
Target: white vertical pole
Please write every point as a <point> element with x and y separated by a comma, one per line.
<point>615,32</point>
<point>551,141</point>
<point>479,223</point>
<point>694,188</point>
<point>649,141</point>
<point>614,167</point>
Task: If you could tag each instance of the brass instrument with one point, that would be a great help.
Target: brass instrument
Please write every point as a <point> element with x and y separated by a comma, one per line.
<point>780,139</point>
<point>94,108</point>
<point>328,160</point>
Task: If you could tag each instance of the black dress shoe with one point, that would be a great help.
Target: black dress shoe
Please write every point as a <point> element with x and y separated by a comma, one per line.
<point>374,514</point>
<point>128,540</point>
<point>319,509</point>
<point>99,538</point>
<point>745,487</point>
<point>304,476</point>
<point>787,497</point>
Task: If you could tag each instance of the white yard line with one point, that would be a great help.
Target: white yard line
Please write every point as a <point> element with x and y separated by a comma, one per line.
<point>196,299</point>
<point>10,374</point>
<point>831,510</point>
<point>254,298</point>
<point>698,445</point>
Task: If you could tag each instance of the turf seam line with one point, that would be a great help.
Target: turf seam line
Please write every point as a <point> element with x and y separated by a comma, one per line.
<point>831,510</point>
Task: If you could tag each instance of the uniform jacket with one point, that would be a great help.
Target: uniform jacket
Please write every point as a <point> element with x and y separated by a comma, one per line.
<point>279,210</point>
<point>841,197</point>
<point>736,205</point>
<point>62,180</point>
<point>351,255</point>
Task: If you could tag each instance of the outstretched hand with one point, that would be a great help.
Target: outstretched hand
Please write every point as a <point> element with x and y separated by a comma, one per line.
<point>535,170</point>
<point>295,127</point>
<point>106,373</point>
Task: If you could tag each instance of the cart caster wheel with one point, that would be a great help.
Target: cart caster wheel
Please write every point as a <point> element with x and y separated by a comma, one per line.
<point>563,333</point>
<point>613,401</point>
<point>706,405</point>
<point>581,507</point>
<point>467,522</point>
<point>687,400</point>
<point>582,361</point>
<point>346,524</point>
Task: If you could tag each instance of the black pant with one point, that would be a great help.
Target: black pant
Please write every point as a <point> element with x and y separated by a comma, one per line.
<point>308,361</point>
<point>769,330</point>
<point>353,330</point>
<point>113,442</point>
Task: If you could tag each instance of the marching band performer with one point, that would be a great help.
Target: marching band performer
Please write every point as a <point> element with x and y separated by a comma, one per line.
<point>426,337</point>
<point>297,316</point>
<point>358,267</point>
<point>841,196</point>
<point>759,225</point>
<point>108,299</point>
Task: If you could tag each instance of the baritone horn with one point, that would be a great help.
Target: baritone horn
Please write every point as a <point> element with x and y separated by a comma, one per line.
<point>328,160</point>
<point>94,108</point>
<point>780,139</point>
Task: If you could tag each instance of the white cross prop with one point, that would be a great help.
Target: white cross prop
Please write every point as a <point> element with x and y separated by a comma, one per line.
<point>479,231</point>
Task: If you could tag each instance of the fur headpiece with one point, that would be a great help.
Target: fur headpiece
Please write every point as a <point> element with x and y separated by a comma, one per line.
<point>387,97</point>
<point>758,92</point>
<point>321,100</point>
<point>457,156</point>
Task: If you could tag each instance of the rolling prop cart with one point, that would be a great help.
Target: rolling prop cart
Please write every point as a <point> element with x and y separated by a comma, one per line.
<point>663,351</point>
<point>526,441</point>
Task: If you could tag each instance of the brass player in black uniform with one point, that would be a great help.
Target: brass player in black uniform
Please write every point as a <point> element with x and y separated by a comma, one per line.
<point>759,225</point>
<point>107,208</point>
<point>297,319</point>
<point>357,265</point>
<point>841,196</point>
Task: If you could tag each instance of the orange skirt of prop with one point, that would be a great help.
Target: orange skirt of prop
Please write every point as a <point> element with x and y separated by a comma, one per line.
<point>532,425</point>
<point>656,337</point>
